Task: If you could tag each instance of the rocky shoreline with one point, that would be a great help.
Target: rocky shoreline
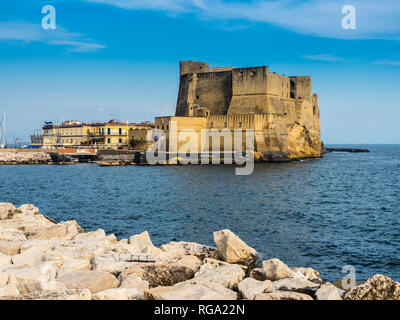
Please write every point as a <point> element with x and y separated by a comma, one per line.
<point>21,156</point>
<point>44,260</point>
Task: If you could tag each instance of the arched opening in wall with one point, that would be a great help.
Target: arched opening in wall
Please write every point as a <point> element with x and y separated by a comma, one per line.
<point>314,110</point>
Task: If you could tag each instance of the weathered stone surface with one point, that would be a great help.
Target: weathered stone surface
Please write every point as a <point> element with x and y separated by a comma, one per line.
<point>83,294</point>
<point>377,287</point>
<point>6,210</point>
<point>258,274</point>
<point>188,291</point>
<point>89,236</point>
<point>117,294</point>
<point>328,292</point>
<point>159,275</point>
<point>11,234</point>
<point>10,248</point>
<point>4,259</point>
<point>232,248</point>
<point>282,295</point>
<point>29,209</point>
<point>108,264</point>
<point>228,276</point>
<point>310,274</point>
<point>74,264</point>
<point>143,242</point>
<point>9,290</point>
<point>43,245</point>
<point>133,281</point>
<point>296,285</point>
<point>54,231</point>
<point>95,281</point>
<point>34,286</point>
<point>275,269</point>
<point>3,279</point>
<point>193,248</point>
<point>30,257</point>
<point>19,274</point>
<point>250,287</point>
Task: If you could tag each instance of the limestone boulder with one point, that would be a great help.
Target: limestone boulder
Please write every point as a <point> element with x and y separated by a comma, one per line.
<point>275,269</point>
<point>296,285</point>
<point>43,245</point>
<point>282,295</point>
<point>378,287</point>
<point>10,248</point>
<point>258,274</point>
<point>228,276</point>
<point>12,235</point>
<point>143,242</point>
<point>30,287</point>
<point>6,210</point>
<point>310,274</point>
<point>81,294</point>
<point>95,281</point>
<point>328,291</point>
<point>250,287</point>
<point>4,259</point>
<point>39,273</point>
<point>135,282</point>
<point>3,279</point>
<point>116,294</point>
<point>53,231</point>
<point>90,236</point>
<point>74,264</point>
<point>30,257</point>
<point>188,291</point>
<point>185,248</point>
<point>9,290</point>
<point>232,249</point>
<point>29,210</point>
<point>108,264</point>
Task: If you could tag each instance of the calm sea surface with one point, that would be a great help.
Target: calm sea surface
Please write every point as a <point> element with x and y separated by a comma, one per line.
<point>341,210</point>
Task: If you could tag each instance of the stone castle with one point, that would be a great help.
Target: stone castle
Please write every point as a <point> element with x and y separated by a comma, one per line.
<point>282,110</point>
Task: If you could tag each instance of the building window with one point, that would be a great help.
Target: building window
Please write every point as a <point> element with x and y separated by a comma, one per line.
<point>120,131</point>
<point>225,124</point>
<point>119,140</point>
<point>197,97</point>
<point>108,131</point>
<point>240,124</point>
<point>212,124</point>
<point>108,140</point>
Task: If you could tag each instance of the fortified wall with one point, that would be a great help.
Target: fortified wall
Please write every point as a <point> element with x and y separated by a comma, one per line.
<point>282,110</point>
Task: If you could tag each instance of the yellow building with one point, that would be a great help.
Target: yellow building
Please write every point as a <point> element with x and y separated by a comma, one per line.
<point>105,135</point>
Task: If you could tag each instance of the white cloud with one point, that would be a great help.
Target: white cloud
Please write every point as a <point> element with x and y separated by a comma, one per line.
<point>393,63</point>
<point>375,19</point>
<point>29,32</point>
<point>324,57</point>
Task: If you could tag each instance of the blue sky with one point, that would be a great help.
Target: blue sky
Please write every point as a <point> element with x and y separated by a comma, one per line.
<point>120,58</point>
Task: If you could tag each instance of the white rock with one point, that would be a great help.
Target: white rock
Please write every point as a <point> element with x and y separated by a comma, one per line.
<point>296,285</point>
<point>29,209</point>
<point>6,210</point>
<point>82,294</point>
<point>9,290</point>
<point>109,265</point>
<point>4,259</point>
<point>228,276</point>
<point>30,257</point>
<point>95,281</point>
<point>111,294</point>
<point>250,287</point>
<point>275,269</point>
<point>31,287</point>
<point>310,274</point>
<point>10,248</point>
<point>187,291</point>
<point>93,235</point>
<point>74,264</point>
<point>143,242</point>
<point>328,292</point>
<point>11,234</point>
<point>3,279</point>
<point>232,248</point>
<point>20,274</point>
<point>282,295</point>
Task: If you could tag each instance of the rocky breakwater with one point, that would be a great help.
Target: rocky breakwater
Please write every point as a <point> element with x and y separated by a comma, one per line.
<point>44,260</point>
<point>23,157</point>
